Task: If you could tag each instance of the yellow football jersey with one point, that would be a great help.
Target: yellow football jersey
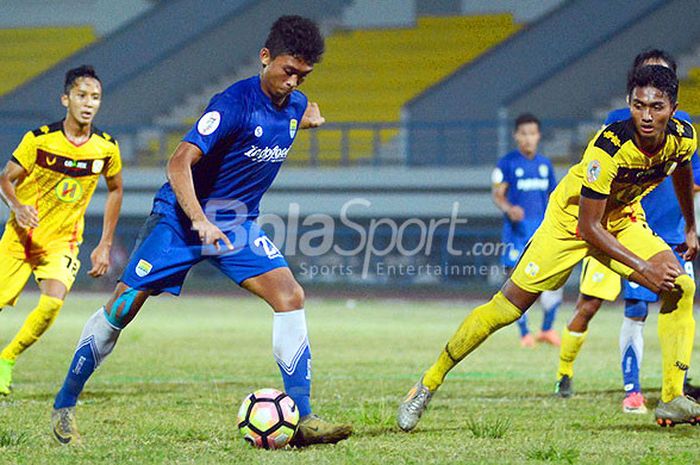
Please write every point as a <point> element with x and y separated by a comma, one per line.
<point>614,167</point>
<point>60,182</point>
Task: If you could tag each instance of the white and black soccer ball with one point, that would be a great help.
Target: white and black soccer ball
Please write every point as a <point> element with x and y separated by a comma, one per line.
<point>268,419</point>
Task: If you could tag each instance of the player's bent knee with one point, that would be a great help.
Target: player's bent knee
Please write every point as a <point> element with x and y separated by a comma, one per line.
<point>683,290</point>
<point>636,309</point>
<point>123,307</point>
<point>587,308</point>
<point>291,298</point>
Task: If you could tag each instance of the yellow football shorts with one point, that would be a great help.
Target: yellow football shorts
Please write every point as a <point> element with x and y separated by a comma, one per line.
<point>597,280</point>
<point>553,252</point>
<point>14,272</point>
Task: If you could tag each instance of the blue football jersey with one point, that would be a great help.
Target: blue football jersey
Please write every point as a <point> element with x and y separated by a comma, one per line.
<point>244,138</point>
<point>530,182</point>
<point>661,205</point>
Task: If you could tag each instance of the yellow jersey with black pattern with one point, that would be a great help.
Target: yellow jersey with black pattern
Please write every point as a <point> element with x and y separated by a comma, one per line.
<point>61,179</point>
<point>613,167</point>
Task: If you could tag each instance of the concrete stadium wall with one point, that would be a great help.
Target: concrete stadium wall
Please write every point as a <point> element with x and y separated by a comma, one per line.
<point>480,90</point>
<point>602,73</point>
<point>104,16</point>
<point>154,62</point>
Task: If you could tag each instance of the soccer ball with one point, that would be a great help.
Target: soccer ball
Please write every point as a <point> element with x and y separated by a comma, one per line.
<point>268,419</point>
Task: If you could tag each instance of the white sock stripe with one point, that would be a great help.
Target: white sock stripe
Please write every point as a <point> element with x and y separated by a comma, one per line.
<point>292,366</point>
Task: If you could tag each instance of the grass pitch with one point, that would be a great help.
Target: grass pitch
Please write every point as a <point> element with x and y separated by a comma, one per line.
<point>170,391</point>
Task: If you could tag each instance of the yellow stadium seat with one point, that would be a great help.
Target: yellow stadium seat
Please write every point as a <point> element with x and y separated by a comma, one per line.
<point>27,52</point>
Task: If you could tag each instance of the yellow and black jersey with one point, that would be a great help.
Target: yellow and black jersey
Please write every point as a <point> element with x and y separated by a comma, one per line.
<point>61,178</point>
<point>613,167</point>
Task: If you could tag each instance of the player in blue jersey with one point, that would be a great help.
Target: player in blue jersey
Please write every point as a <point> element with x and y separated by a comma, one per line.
<point>522,182</point>
<point>598,283</point>
<point>207,211</point>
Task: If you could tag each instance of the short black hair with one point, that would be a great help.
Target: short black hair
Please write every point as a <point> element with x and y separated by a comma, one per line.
<point>76,73</point>
<point>526,118</point>
<point>656,76</point>
<point>655,54</point>
<point>296,36</point>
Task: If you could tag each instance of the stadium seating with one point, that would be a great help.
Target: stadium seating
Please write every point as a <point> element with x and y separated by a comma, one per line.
<point>366,76</point>
<point>26,52</point>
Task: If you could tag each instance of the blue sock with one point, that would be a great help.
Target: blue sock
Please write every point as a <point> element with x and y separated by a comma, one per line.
<point>96,342</point>
<point>549,315</point>
<point>522,325</point>
<point>297,384</point>
<point>290,346</point>
<point>82,366</point>
<point>630,371</point>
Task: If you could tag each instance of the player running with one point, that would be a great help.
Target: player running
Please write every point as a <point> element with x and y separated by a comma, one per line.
<point>48,184</point>
<point>599,283</point>
<point>522,182</point>
<point>595,210</point>
<point>207,211</point>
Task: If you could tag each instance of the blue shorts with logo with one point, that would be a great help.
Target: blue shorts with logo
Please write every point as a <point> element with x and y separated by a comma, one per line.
<point>165,251</point>
<point>633,291</point>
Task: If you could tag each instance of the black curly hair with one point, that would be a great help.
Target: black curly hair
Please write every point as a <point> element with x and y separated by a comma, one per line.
<point>76,73</point>
<point>655,54</point>
<point>656,76</point>
<point>296,36</point>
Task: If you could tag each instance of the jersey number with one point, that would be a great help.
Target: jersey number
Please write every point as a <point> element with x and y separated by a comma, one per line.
<point>268,246</point>
<point>72,265</point>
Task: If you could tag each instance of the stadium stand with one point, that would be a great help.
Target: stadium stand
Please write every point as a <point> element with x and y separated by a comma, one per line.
<point>690,94</point>
<point>27,52</point>
<point>368,75</point>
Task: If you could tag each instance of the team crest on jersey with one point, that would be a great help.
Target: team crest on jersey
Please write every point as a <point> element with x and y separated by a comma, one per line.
<point>544,170</point>
<point>532,269</point>
<point>519,172</point>
<point>292,127</point>
<point>69,190</point>
<point>209,123</point>
<point>97,166</point>
<point>143,268</point>
<point>593,171</point>
<point>258,131</point>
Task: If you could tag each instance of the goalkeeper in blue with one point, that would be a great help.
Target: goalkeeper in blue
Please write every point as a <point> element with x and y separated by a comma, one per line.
<point>207,211</point>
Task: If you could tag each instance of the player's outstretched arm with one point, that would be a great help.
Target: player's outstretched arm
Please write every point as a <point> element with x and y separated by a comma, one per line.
<point>26,215</point>
<point>683,184</point>
<point>179,173</point>
<point>100,256</point>
<point>655,277</point>
<point>312,117</point>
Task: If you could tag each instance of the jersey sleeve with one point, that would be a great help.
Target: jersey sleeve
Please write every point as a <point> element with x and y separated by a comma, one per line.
<point>114,166</point>
<point>695,164</point>
<point>599,172</point>
<point>501,173</point>
<point>552,178</point>
<point>222,118</point>
<point>25,153</point>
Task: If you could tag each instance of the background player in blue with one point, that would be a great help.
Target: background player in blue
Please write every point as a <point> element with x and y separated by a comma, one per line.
<point>663,214</point>
<point>206,211</point>
<point>522,182</point>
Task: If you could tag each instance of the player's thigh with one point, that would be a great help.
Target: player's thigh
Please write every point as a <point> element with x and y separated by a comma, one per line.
<point>164,253</point>
<point>548,260</point>
<point>14,274</point>
<point>639,239</point>
<point>258,266</point>
<point>56,272</point>
<point>597,280</point>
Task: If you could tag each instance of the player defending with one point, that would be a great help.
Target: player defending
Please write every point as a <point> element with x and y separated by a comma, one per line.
<point>595,210</point>
<point>207,211</point>
<point>522,182</point>
<point>599,283</point>
<point>48,184</point>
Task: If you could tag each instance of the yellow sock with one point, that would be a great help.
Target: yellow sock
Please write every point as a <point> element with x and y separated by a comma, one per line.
<point>476,327</point>
<point>676,335</point>
<point>570,346</point>
<point>34,326</point>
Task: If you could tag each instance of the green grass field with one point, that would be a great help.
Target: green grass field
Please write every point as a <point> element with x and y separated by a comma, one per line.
<point>170,391</point>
